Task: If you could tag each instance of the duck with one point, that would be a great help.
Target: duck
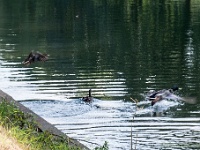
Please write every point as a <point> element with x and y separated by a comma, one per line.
<point>34,57</point>
<point>89,98</point>
<point>156,96</point>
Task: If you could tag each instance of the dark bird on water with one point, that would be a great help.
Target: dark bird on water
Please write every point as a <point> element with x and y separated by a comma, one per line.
<point>156,96</point>
<point>34,57</point>
<point>88,98</point>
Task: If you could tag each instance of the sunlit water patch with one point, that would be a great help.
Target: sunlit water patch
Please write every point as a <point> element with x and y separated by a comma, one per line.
<point>111,121</point>
<point>33,83</point>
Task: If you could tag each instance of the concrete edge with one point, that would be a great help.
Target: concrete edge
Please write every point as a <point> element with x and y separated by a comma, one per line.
<point>43,125</point>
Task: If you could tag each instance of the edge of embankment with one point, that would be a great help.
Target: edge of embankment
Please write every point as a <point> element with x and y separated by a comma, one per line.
<point>43,125</point>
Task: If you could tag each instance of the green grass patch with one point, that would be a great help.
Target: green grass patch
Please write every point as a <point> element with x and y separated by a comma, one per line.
<point>23,127</point>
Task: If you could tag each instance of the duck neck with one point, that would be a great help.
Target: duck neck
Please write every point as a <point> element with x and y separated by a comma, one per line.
<point>90,93</point>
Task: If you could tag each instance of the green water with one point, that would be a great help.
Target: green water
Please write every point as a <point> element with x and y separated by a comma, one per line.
<point>149,45</point>
<point>117,48</point>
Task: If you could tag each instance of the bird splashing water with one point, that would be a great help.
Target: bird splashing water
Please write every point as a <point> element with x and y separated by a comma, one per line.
<point>34,57</point>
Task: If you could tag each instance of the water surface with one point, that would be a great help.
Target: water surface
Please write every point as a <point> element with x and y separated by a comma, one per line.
<point>119,49</point>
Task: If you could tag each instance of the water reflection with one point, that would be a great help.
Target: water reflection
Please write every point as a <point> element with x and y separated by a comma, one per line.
<point>119,49</point>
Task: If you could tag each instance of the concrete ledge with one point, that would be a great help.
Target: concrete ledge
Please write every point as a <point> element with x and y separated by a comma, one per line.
<point>43,125</point>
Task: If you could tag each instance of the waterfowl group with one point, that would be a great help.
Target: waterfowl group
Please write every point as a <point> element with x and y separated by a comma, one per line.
<point>156,96</point>
<point>153,96</point>
<point>34,57</point>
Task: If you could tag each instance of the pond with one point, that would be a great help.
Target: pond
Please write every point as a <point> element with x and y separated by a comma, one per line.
<point>120,50</point>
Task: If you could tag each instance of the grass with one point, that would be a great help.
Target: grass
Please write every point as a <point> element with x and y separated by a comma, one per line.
<point>7,142</point>
<point>23,128</point>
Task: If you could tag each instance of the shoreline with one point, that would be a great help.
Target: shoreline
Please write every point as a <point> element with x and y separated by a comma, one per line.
<point>42,124</point>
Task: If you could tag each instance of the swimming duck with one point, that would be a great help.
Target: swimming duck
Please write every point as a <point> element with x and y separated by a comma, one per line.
<point>35,56</point>
<point>156,96</point>
<point>89,98</point>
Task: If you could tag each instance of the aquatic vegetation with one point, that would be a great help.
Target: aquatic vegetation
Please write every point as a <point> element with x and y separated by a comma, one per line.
<point>136,103</point>
<point>104,147</point>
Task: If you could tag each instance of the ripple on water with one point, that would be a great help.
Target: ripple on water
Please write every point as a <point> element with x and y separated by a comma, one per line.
<point>111,121</point>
